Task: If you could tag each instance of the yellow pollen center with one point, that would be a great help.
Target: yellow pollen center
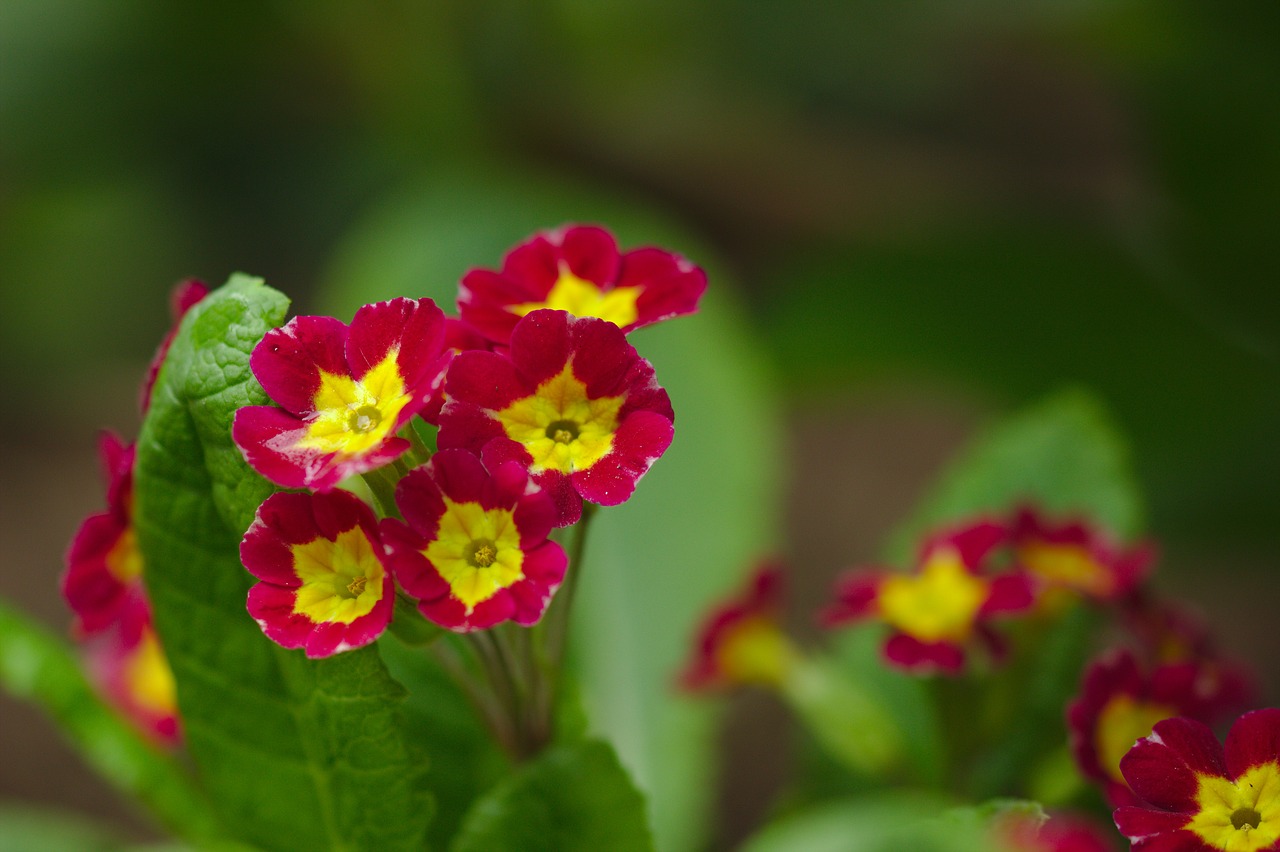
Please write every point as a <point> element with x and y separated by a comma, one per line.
<point>562,428</point>
<point>476,551</point>
<point>341,579</point>
<point>124,560</point>
<point>1123,721</point>
<point>1067,565</point>
<point>585,299</point>
<point>149,678</point>
<point>940,604</point>
<point>353,417</point>
<point>1239,816</point>
<point>755,651</point>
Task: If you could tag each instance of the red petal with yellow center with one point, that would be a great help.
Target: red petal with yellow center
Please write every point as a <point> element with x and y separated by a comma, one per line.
<point>1253,740</point>
<point>343,392</point>
<point>473,546</point>
<point>579,269</point>
<point>751,614</point>
<point>572,402</point>
<point>324,583</point>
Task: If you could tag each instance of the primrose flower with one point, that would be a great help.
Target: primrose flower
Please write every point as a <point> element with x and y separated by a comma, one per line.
<point>741,640</point>
<point>343,392</point>
<point>129,667</point>
<point>181,300</point>
<point>572,402</point>
<point>1074,556</point>
<point>937,610</point>
<point>473,546</point>
<point>1196,795</point>
<point>580,270</point>
<point>324,584</point>
<point>104,566</point>
<point>1118,703</point>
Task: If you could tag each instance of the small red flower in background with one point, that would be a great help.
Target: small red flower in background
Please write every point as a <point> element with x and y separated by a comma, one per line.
<point>939,609</point>
<point>741,641</point>
<point>473,546</point>
<point>573,403</point>
<point>128,666</point>
<point>1119,703</point>
<point>1060,833</point>
<point>181,300</point>
<point>1196,796</point>
<point>104,566</point>
<point>343,392</point>
<point>324,585</point>
<point>1076,556</point>
<point>580,270</point>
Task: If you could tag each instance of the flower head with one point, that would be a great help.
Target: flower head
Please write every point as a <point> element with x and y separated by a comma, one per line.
<point>128,665</point>
<point>473,546</point>
<point>741,640</point>
<point>183,298</point>
<point>324,584</point>
<point>104,566</point>
<point>1118,703</point>
<point>572,402</point>
<point>343,392</point>
<point>580,270</point>
<point>1077,557</point>
<point>940,608</point>
<point>1197,796</point>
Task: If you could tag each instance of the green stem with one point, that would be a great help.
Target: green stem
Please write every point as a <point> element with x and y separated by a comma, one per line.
<point>408,625</point>
<point>382,482</point>
<point>485,702</point>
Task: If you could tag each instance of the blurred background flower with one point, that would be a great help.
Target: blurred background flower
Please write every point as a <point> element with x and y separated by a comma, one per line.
<point>930,213</point>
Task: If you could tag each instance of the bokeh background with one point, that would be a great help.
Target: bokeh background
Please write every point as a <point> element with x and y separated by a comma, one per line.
<point>930,213</point>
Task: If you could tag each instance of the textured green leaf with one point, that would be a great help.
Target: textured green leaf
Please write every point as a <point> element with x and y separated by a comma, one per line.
<point>1062,455</point>
<point>697,521</point>
<point>295,754</point>
<point>572,798</point>
<point>37,666</point>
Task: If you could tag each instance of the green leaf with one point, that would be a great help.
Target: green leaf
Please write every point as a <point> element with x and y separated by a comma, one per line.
<point>1063,455</point>
<point>294,753</point>
<point>572,798</point>
<point>24,829</point>
<point>704,513</point>
<point>884,823</point>
<point>37,666</point>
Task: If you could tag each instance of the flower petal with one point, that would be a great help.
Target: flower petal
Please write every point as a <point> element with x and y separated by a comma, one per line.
<point>1253,740</point>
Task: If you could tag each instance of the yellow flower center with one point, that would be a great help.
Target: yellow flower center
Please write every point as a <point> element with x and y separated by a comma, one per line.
<point>341,579</point>
<point>585,299</point>
<point>124,560</point>
<point>1067,565</point>
<point>560,427</point>
<point>939,604</point>
<point>149,679</point>
<point>476,551</point>
<point>354,417</point>
<point>1123,721</point>
<point>1239,816</point>
<point>755,651</point>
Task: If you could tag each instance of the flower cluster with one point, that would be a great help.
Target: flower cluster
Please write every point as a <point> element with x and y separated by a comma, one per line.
<point>533,395</point>
<point>103,586</point>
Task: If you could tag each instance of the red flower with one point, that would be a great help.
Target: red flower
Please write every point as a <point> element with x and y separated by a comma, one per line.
<point>181,300</point>
<point>938,609</point>
<point>473,546</point>
<point>1077,557</point>
<point>1197,796</point>
<point>324,585</point>
<point>104,566</point>
<point>344,392</point>
<point>740,641</point>
<point>128,665</point>
<point>1118,703</point>
<point>573,403</point>
<point>579,269</point>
